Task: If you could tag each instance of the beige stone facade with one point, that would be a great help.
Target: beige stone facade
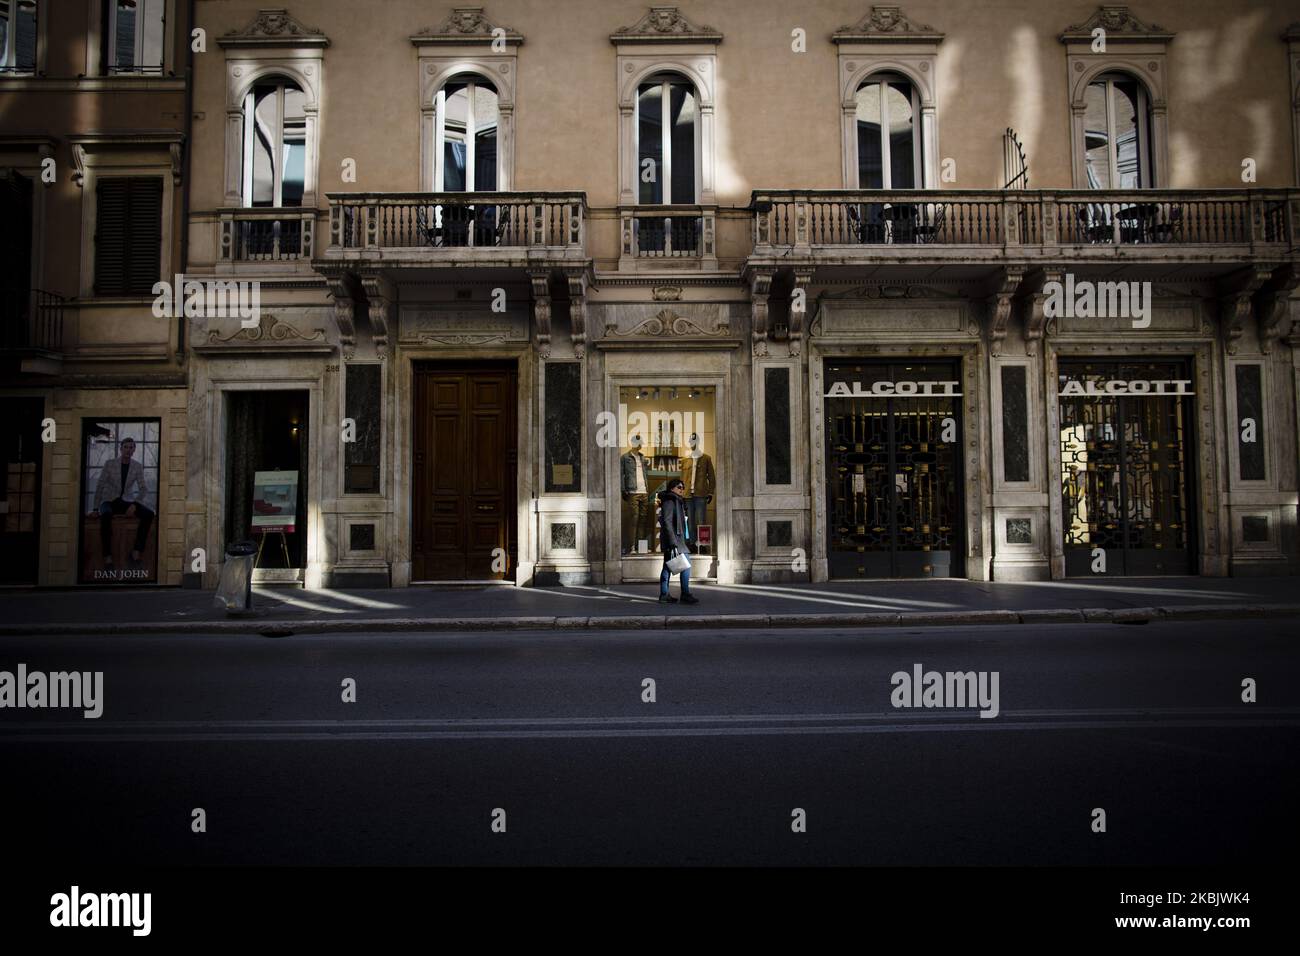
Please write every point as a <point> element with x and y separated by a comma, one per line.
<point>600,200</point>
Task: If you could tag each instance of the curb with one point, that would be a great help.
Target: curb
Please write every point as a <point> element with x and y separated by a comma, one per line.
<point>284,628</point>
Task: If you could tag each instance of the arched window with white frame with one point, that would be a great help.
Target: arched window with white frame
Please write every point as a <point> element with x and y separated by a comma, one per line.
<point>668,141</point>
<point>1117,133</point>
<point>275,144</point>
<point>889,133</point>
<point>466,157</point>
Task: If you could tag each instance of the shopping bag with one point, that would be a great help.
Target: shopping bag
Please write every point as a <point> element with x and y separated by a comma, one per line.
<point>679,562</point>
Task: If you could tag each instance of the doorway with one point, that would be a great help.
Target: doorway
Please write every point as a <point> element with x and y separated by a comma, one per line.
<point>1125,469</point>
<point>893,469</point>
<point>20,519</point>
<point>464,480</point>
<point>266,475</point>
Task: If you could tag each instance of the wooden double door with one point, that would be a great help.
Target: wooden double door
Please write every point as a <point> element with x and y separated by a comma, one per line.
<point>465,471</point>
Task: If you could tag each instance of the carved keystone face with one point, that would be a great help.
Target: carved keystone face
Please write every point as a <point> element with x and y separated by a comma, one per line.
<point>886,17</point>
<point>275,22</point>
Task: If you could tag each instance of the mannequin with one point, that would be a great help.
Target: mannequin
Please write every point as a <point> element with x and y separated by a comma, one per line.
<point>634,481</point>
<point>701,482</point>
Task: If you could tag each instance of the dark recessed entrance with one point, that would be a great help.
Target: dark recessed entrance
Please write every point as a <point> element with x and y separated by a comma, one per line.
<point>463,487</point>
<point>266,435</point>
<point>893,469</point>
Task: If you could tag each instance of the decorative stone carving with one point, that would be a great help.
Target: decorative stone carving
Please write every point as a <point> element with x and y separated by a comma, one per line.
<point>886,24</point>
<point>668,293</point>
<point>1035,306</point>
<point>1275,306</point>
<point>467,25</point>
<point>1235,294</point>
<point>379,299</point>
<point>668,324</point>
<point>274,26</point>
<point>1000,302</point>
<point>1120,25</point>
<point>760,288</point>
<point>577,280</point>
<point>665,24</point>
<point>270,328</point>
<point>541,283</point>
<point>798,317</point>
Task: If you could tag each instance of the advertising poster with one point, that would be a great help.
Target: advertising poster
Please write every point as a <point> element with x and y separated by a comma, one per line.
<point>275,497</point>
<point>119,527</point>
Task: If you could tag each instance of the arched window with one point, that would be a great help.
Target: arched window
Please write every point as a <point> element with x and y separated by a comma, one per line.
<point>667,149</point>
<point>275,144</point>
<point>1117,134</point>
<point>466,131</point>
<point>889,138</point>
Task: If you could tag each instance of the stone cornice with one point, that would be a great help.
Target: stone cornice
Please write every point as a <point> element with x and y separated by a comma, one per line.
<point>665,25</point>
<point>1121,26</point>
<point>464,26</point>
<point>274,27</point>
<point>886,25</point>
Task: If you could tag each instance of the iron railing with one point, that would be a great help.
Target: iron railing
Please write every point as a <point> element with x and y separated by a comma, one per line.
<point>31,319</point>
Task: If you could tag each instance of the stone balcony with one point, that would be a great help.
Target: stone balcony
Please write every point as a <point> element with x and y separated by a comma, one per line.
<point>399,231</point>
<point>1210,227</point>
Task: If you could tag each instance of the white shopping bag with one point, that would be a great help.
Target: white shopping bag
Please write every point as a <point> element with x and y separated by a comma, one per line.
<point>679,562</point>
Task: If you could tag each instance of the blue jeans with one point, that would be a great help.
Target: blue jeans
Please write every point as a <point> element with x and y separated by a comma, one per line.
<point>665,576</point>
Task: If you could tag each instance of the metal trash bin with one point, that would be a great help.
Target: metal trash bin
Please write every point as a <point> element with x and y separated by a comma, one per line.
<point>235,589</point>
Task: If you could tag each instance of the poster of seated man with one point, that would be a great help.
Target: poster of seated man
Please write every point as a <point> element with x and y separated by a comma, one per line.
<point>119,532</point>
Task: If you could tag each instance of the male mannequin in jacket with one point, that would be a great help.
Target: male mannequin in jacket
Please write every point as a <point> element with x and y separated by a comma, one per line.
<point>121,490</point>
<point>701,481</point>
<point>634,481</point>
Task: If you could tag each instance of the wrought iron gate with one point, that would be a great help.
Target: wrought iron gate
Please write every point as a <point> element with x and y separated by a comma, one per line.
<point>893,469</point>
<point>1125,468</point>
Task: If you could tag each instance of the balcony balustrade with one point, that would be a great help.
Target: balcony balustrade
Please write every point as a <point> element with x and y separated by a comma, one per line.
<point>267,234</point>
<point>668,233</point>
<point>484,227</point>
<point>916,224</point>
<point>31,320</point>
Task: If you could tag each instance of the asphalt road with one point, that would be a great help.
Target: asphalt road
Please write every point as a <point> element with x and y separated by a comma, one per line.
<point>1145,722</point>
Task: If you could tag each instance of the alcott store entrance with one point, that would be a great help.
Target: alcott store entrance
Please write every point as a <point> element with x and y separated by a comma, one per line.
<point>1125,468</point>
<point>893,469</point>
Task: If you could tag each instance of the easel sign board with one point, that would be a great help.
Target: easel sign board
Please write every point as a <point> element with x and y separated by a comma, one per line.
<point>275,497</point>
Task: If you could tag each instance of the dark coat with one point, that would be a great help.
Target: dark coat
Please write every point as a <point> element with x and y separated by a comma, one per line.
<point>672,522</point>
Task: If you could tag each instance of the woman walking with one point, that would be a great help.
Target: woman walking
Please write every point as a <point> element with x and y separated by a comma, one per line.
<point>672,540</point>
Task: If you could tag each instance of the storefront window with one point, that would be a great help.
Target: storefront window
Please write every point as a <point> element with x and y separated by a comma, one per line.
<point>119,532</point>
<point>667,432</point>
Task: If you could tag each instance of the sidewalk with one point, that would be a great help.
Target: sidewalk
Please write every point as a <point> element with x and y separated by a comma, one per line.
<point>837,604</point>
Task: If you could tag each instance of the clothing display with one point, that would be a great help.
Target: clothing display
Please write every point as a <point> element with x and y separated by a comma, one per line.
<point>701,482</point>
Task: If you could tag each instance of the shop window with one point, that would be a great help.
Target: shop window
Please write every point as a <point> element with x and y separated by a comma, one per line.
<point>17,36</point>
<point>275,144</point>
<point>120,494</point>
<point>363,402</point>
<point>128,235</point>
<point>266,478</point>
<point>1250,423</point>
<point>563,438</point>
<point>776,428</point>
<point>135,36</point>
<point>668,433</point>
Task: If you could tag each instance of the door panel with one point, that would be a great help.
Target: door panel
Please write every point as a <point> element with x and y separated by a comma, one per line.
<point>893,473</point>
<point>1125,472</point>
<point>20,520</point>
<point>464,483</point>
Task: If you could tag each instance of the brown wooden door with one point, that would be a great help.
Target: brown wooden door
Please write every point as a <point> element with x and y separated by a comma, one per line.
<point>464,482</point>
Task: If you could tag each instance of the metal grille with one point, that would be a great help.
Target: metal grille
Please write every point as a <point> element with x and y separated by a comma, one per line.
<point>893,476</point>
<point>1125,472</point>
